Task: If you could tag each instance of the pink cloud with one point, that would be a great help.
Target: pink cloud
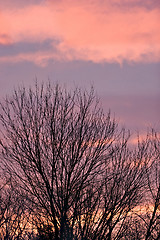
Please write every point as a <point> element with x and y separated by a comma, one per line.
<point>5,39</point>
<point>4,31</point>
<point>88,30</point>
<point>38,58</point>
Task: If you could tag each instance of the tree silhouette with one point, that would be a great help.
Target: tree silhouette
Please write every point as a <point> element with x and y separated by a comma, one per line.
<point>144,223</point>
<point>12,211</point>
<point>152,217</point>
<point>73,168</point>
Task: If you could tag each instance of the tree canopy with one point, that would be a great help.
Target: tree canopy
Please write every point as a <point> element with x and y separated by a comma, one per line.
<point>73,172</point>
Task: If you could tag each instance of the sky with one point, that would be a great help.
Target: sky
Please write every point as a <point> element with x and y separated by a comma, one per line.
<point>113,45</point>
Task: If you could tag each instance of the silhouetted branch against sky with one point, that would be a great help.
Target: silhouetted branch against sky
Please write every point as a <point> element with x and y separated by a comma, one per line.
<point>70,161</point>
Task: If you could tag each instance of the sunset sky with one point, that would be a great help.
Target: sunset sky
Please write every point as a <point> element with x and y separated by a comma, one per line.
<point>113,45</point>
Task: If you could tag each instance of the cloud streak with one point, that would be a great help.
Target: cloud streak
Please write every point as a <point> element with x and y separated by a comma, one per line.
<point>93,31</point>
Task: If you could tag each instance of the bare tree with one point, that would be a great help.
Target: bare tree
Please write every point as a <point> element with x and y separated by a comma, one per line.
<point>54,143</point>
<point>13,215</point>
<point>153,182</point>
<point>74,169</point>
<point>145,222</point>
